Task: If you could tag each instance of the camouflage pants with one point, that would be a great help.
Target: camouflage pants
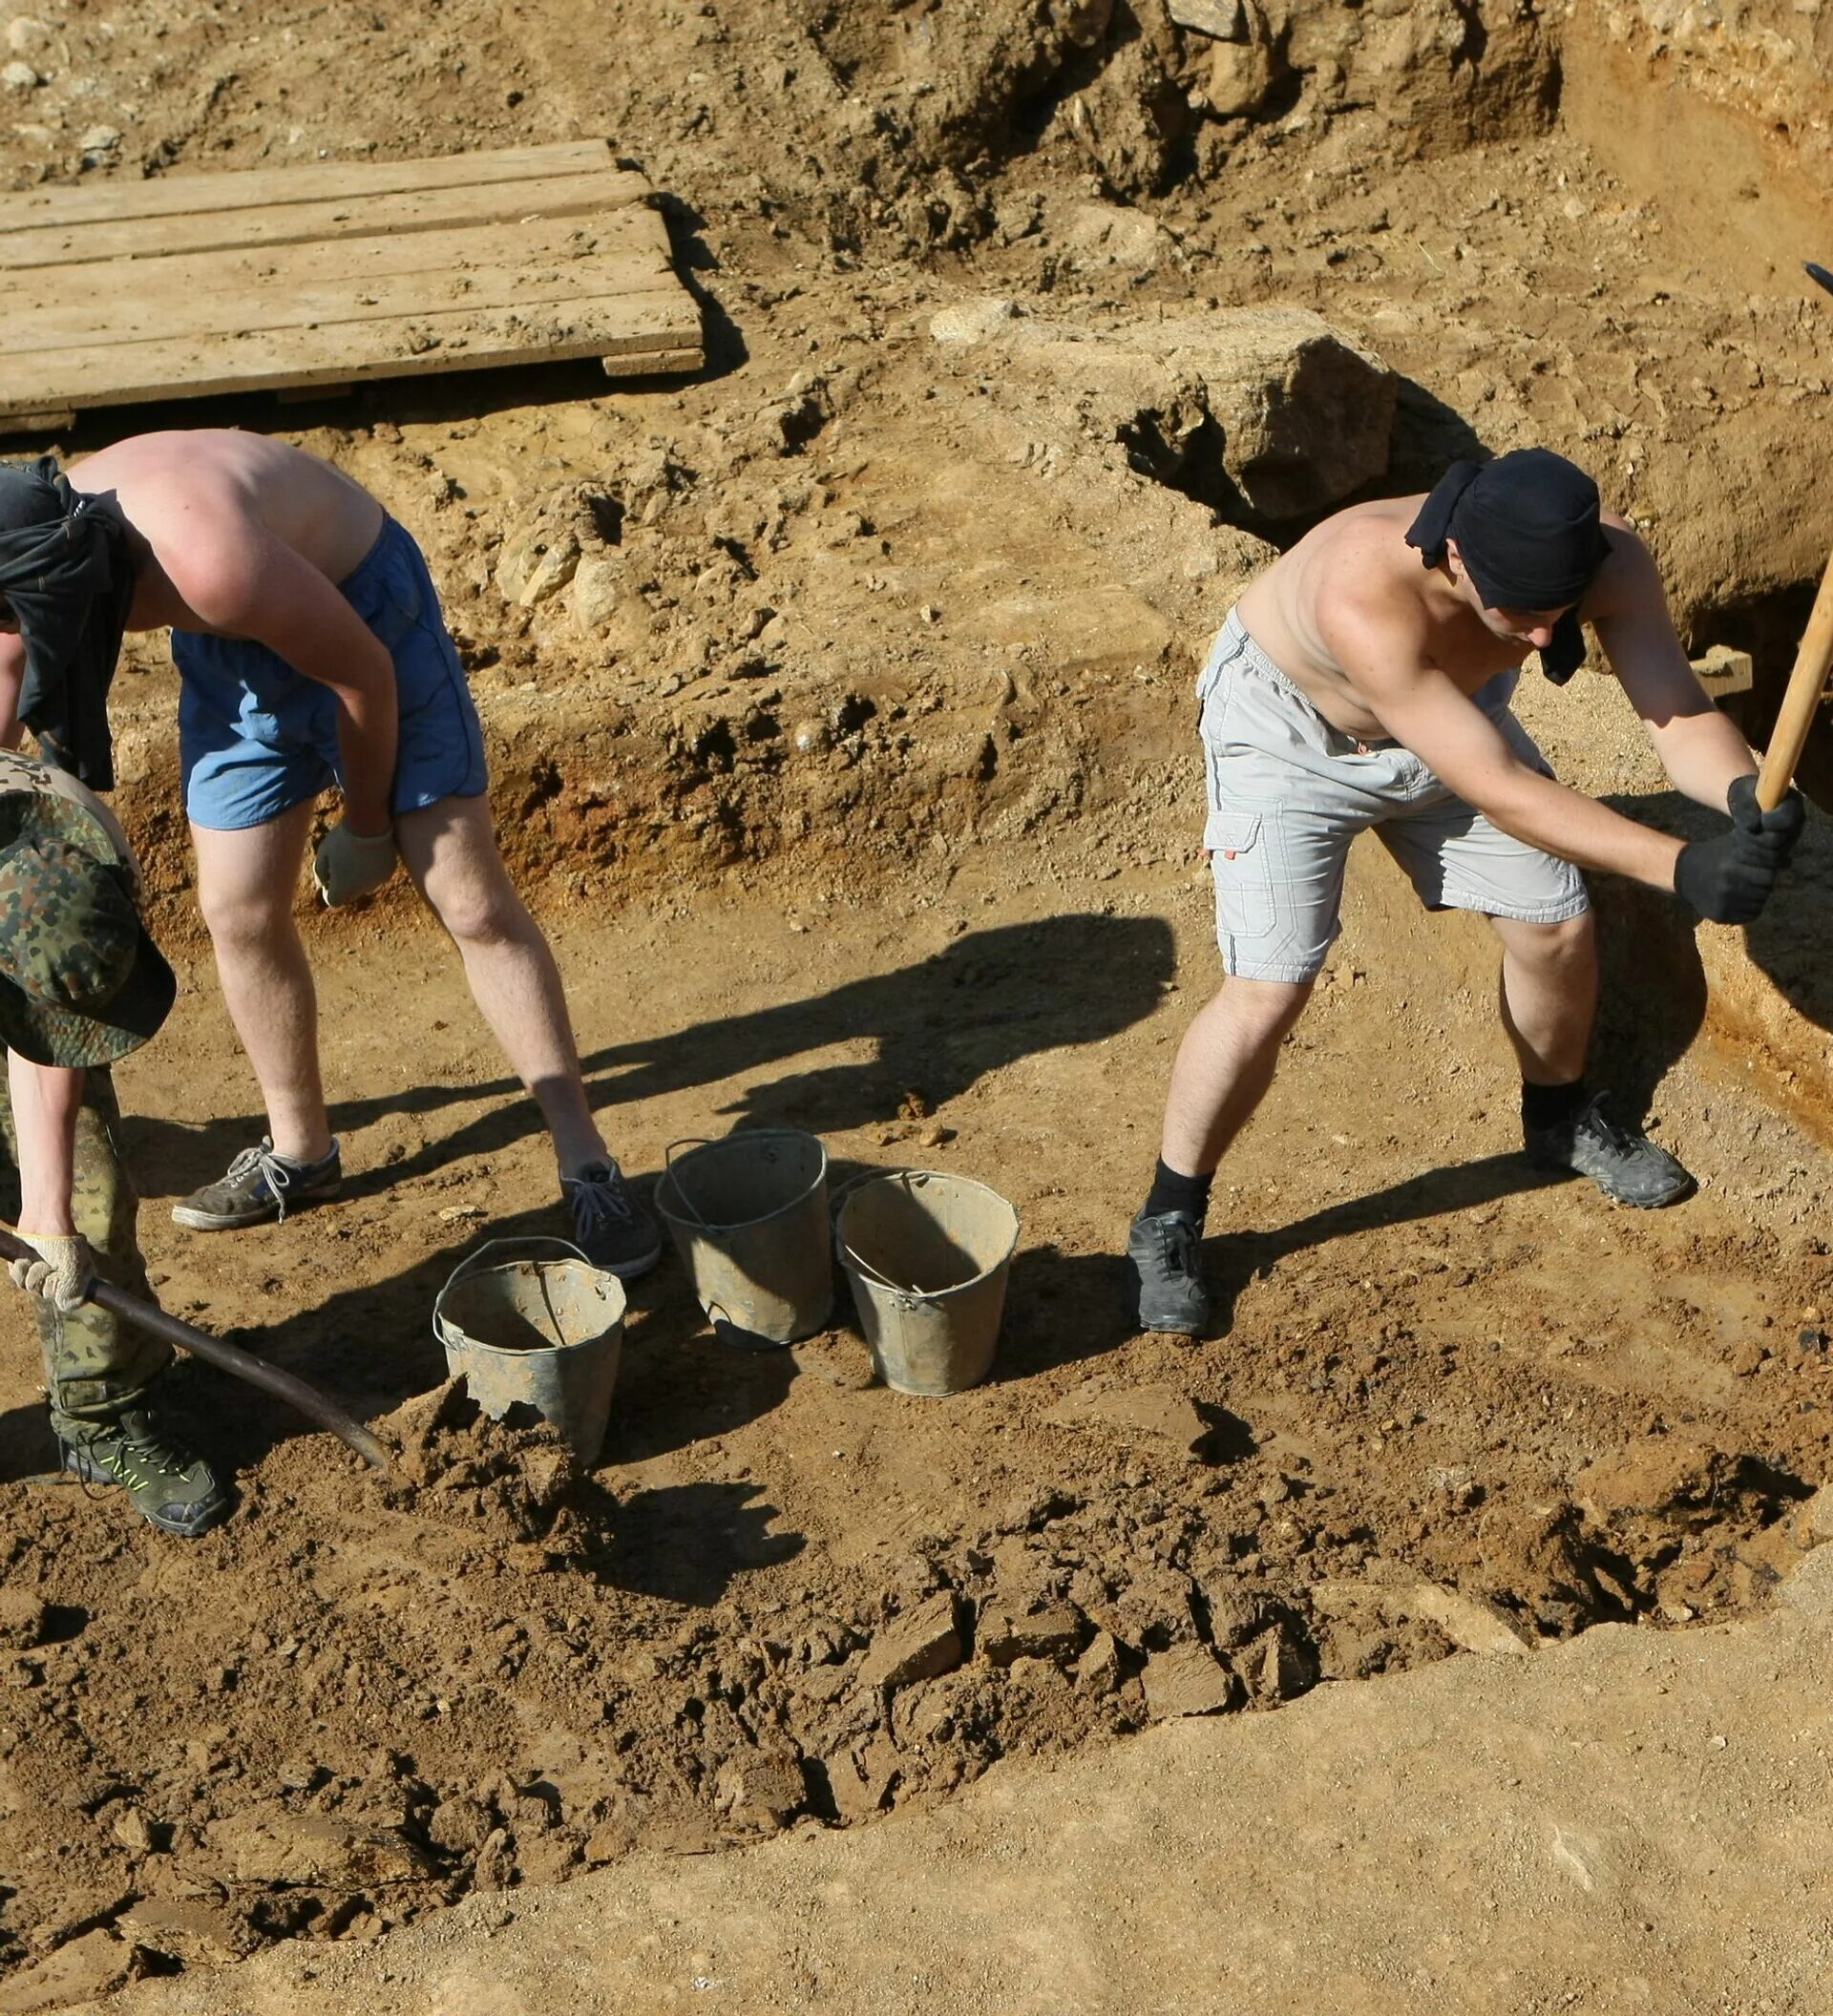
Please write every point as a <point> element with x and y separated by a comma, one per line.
<point>95,1364</point>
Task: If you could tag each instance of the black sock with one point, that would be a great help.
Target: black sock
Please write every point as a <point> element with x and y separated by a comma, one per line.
<point>1174,1192</point>
<point>1552,1105</point>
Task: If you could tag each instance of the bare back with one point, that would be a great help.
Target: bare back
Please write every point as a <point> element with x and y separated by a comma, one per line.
<point>180,491</point>
<point>1359,560</point>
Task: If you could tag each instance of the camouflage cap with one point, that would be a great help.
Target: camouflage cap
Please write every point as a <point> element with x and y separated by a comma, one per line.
<point>80,980</point>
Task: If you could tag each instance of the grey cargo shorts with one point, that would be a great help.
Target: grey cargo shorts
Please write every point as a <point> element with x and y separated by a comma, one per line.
<point>1288,792</point>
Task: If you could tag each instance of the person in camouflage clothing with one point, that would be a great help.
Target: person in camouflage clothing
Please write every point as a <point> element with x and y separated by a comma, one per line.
<point>82,984</point>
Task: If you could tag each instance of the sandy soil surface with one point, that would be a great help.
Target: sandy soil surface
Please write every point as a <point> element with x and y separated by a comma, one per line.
<point>1653,1834</point>
<point>839,710</point>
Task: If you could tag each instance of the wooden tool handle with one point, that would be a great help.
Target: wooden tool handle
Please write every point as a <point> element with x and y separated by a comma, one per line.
<point>226,1358</point>
<point>1789,736</point>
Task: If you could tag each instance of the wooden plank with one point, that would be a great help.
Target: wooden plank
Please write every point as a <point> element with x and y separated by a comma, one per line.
<point>331,219</point>
<point>635,328</point>
<point>654,364</point>
<point>52,423</point>
<point>121,201</point>
<point>209,297</point>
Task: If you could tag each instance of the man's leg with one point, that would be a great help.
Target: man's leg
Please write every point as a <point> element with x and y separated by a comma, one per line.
<point>451,852</point>
<point>247,878</point>
<point>1223,1067</point>
<point>99,1370</point>
<point>1548,995</point>
<point>1548,999</point>
<point>247,881</point>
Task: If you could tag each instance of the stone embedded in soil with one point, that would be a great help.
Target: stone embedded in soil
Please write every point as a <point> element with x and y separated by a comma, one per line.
<point>1471,1623</point>
<point>1099,1668</point>
<point>1003,1633</point>
<point>1280,1666</point>
<point>1235,1614</point>
<point>1295,414</point>
<point>1818,1512</point>
<point>917,1646</point>
<point>766,1788</point>
<point>89,1967</point>
<point>1159,1413</point>
<point>494,1868</point>
<point>861,1779</point>
<point>194,1933</point>
<point>1225,20</point>
<point>270,1845</point>
<point>1186,1680</point>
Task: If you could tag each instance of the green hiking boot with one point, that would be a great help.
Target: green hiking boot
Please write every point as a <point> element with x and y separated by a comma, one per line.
<point>175,1491</point>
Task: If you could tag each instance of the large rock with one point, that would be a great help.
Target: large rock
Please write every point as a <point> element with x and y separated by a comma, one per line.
<point>1268,408</point>
<point>270,1845</point>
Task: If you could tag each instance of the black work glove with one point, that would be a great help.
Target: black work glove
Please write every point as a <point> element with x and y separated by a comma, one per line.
<point>1728,879</point>
<point>1782,828</point>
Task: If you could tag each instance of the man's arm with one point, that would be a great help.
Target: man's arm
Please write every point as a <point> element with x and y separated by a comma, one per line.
<point>1419,706</point>
<point>13,676</point>
<point>45,1098</point>
<point>243,580</point>
<point>1700,749</point>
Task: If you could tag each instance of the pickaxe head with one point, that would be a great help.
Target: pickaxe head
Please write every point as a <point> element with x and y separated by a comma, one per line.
<point>1821,274</point>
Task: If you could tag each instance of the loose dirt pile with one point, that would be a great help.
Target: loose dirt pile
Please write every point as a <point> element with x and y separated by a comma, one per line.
<point>838,711</point>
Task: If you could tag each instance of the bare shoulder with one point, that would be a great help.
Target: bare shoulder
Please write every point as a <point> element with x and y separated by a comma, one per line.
<point>1628,581</point>
<point>157,477</point>
<point>1367,600</point>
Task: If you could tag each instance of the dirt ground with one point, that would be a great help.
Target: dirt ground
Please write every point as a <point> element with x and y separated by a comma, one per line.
<point>838,709</point>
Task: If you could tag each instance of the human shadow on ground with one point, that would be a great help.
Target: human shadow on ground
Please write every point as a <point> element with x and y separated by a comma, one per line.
<point>687,1542</point>
<point>1063,1307</point>
<point>938,1026</point>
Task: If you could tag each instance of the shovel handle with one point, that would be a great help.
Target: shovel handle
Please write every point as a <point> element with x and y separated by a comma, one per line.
<point>1801,701</point>
<point>226,1358</point>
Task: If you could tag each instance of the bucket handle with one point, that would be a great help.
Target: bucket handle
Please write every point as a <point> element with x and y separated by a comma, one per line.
<point>707,1141</point>
<point>668,1176</point>
<point>471,1259</point>
<point>909,1297</point>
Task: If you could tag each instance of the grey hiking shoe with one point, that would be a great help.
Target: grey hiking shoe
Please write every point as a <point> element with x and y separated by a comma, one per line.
<point>1164,1252</point>
<point>609,1227</point>
<point>259,1185</point>
<point>175,1491</point>
<point>1627,1166</point>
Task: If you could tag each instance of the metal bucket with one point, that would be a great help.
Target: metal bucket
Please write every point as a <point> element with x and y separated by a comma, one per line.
<point>539,1334</point>
<point>749,1216</point>
<point>928,1256</point>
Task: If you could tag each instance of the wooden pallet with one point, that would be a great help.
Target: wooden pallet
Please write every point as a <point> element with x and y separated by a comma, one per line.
<point>277,278</point>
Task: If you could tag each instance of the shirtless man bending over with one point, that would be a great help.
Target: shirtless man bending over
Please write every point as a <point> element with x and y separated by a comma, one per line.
<point>1363,680</point>
<point>310,650</point>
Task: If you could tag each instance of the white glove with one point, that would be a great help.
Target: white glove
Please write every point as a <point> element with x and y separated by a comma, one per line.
<point>62,1272</point>
<point>349,865</point>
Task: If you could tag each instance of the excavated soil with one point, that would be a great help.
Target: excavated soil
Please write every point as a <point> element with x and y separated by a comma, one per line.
<point>839,711</point>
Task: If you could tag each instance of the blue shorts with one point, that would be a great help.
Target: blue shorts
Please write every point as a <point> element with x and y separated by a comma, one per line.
<point>256,738</point>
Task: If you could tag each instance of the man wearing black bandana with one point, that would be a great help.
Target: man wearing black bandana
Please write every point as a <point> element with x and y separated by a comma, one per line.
<point>310,649</point>
<point>1364,682</point>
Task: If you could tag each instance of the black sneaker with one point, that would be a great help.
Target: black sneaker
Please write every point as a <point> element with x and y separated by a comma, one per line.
<point>177,1492</point>
<point>609,1227</point>
<point>260,1185</point>
<point>1164,1252</point>
<point>1628,1168</point>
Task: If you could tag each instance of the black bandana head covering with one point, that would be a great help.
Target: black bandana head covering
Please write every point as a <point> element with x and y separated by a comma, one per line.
<point>67,575</point>
<point>1528,536</point>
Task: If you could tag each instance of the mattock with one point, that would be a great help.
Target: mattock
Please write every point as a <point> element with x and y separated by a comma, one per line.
<point>1806,682</point>
<point>226,1358</point>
